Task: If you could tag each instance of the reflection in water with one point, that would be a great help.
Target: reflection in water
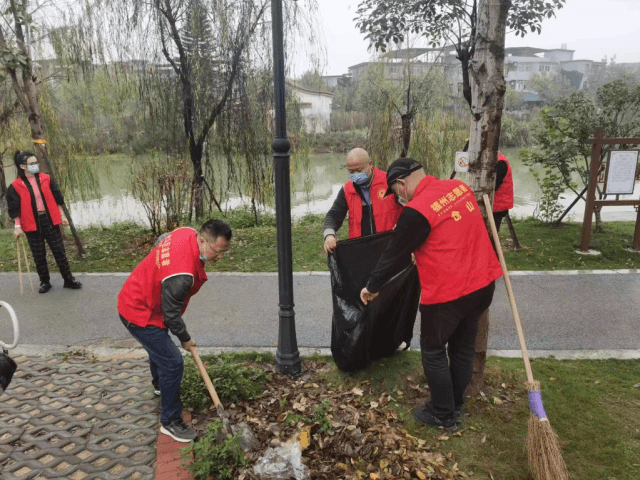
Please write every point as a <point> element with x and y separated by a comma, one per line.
<point>327,177</point>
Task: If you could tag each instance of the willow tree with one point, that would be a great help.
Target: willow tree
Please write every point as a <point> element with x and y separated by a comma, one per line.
<point>397,104</point>
<point>16,61</point>
<point>210,47</point>
<point>476,30</point>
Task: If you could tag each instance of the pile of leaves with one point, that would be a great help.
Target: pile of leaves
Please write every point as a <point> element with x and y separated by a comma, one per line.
<point>346,432</point>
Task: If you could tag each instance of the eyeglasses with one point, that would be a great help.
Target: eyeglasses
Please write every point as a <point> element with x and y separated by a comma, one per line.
<point>215,250</point>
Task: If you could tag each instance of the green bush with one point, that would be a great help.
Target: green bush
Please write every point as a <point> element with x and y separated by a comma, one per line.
<point>215,455</point>
<point>234,382</point>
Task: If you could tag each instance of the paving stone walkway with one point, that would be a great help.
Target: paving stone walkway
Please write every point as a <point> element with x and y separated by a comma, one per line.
<point>78,418</point>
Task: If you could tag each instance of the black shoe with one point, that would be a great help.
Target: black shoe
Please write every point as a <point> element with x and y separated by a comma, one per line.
<point>179,431</point>
<point>72,283</point>
<point>44,287</point>
<point>425,416</point>
<point>156,390</point>
<point>457,413</point>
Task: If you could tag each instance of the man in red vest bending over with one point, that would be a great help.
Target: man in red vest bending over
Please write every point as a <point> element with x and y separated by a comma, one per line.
<point>363,197</point>
<point>153,300</point>
<point>442,224</point>
<point>503,200</point>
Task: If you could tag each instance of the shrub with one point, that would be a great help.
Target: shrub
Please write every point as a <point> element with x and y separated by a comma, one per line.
<point>215,455</point>
<point>234,382</point>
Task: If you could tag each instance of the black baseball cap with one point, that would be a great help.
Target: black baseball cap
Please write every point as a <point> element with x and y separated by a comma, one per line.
<point>400,168</point>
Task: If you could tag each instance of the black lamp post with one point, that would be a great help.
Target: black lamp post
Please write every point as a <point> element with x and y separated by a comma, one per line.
<point>287,356</point>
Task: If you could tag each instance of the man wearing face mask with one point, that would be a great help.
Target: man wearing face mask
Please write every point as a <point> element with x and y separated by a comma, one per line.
<point>154,298</point>
<point>363,197</point>
<point>457,267</point>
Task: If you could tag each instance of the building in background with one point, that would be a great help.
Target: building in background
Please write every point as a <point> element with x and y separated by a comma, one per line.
<point>315,107</point>
<point>521,64</point>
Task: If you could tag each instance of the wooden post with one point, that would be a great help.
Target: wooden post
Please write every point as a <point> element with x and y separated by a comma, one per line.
<point>636,234</point>
<point>591,194</point>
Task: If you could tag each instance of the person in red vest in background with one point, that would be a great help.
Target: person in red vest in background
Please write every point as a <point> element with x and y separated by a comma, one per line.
<point>363,197</point>
<point>154,298</point>
<point>34,202</point>
<point>457,266</point>
<point>503,199</point>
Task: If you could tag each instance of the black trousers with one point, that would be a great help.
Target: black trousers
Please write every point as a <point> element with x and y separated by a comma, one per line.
<point>50,233</point>
<point>454,326</point>
<point>498,216</point>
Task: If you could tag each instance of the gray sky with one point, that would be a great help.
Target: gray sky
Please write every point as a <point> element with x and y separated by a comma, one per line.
<point>593,28</point>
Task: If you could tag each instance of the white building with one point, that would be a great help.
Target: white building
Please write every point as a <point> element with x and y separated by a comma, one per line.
<point>522,63</point>
<point>315,108</point>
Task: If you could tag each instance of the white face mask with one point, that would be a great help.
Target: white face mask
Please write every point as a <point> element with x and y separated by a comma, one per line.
<point>33,169</point>
<point>401,200</point>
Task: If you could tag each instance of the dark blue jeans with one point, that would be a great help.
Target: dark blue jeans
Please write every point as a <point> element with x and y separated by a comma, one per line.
<point>166,364</point>
<point>451,328</point>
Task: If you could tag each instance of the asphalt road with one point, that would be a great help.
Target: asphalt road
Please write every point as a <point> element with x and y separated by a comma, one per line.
<point>563,311</point>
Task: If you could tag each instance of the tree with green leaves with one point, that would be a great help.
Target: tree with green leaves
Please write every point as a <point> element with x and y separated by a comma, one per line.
<point>446,22</point>
<point>395,106</point>
<point>551,88</point>
<point>564,155</point>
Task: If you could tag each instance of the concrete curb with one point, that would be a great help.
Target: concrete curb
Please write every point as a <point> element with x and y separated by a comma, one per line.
<point>622,271</point>
<point>109,352</point>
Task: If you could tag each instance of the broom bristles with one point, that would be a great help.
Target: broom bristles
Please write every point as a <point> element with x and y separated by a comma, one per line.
<point>545,458</point>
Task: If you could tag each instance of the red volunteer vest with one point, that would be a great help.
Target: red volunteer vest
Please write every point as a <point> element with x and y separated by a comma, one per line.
<point>503,199</point>
<point>140,300</point>
<point>386,210</point>
<point>457,258</point>
<point>27,215</point>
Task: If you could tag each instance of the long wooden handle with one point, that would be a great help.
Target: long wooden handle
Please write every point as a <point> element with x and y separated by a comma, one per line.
<point>26,261</point>
<point>19,266</point>
<point>507,282</point>
<point>205,377</point>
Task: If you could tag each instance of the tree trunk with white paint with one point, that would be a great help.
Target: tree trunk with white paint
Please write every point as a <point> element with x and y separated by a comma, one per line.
<point>486,74</point>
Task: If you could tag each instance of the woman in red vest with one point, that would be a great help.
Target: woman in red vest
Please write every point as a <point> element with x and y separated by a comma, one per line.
<point>503,200</point>
<point>33,200</point>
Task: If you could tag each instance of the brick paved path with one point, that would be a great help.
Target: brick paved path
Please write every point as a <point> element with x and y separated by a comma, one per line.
<point>78,418</point>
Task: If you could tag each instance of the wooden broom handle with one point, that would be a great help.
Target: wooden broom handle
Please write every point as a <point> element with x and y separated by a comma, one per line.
<point>19,266</point>
<point>26,261</point>
<point>205,377</point>
<point>507,282</point>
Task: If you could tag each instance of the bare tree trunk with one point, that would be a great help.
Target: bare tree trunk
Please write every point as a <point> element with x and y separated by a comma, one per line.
<point>486,73</point>
<point>4,216</point>
<point>406,133</point>
<point>598,213</point>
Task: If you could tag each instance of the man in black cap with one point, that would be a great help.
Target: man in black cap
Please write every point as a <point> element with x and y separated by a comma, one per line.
<point>442,225</point>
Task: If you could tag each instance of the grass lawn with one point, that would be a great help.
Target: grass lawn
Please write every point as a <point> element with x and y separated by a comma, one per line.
<point>592,405</point>
<point>120,247</point>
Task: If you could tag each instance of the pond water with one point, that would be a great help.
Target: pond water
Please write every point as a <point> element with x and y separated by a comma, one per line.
<point>327,177</point>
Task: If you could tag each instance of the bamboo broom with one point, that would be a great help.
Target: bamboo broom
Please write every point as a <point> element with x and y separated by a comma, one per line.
<point>545,458</point>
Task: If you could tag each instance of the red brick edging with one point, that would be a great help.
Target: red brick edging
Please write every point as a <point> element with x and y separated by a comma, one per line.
<point>168,460</point>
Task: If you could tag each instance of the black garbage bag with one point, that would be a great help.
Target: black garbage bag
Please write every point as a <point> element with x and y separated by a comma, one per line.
<point>7,369</point>
<point>361,334</point>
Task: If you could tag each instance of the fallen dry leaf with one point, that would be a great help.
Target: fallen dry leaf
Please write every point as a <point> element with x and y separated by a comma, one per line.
<point>357,391</point>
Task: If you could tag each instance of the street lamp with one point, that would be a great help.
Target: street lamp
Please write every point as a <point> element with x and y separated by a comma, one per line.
<point>287,355</point>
